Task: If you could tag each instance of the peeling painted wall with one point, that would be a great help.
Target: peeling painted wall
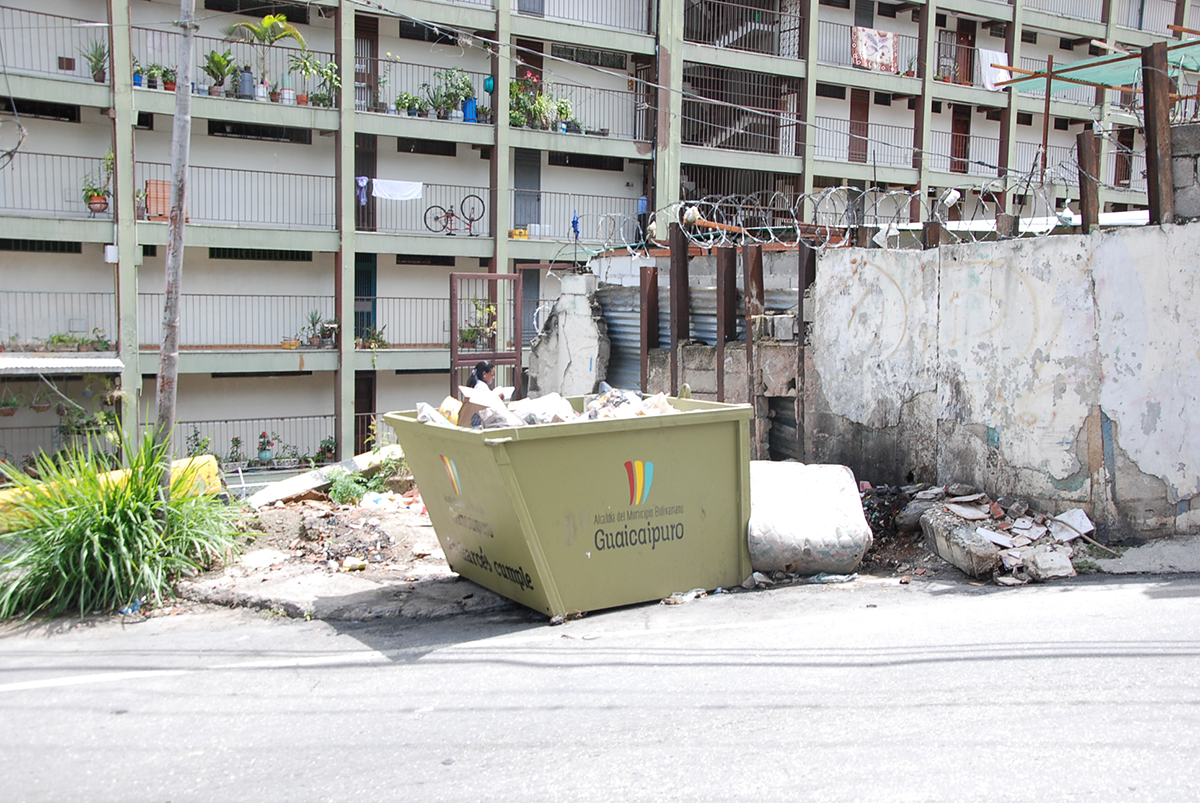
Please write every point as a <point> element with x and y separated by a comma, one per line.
<point>1059,369</point>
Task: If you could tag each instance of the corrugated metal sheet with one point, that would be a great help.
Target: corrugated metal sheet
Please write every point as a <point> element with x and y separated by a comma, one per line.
<point>622,312</point>
<point>57,364</point>
<point>783,437</point>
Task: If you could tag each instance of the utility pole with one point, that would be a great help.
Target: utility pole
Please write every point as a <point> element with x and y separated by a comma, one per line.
<point>181,137</point>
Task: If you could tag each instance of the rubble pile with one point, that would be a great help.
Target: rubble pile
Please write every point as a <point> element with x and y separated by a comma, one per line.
<point>485,409</point>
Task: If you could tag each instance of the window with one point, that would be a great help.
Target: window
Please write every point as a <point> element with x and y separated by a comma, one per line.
<point>270,133</point>
<point>149,250</point>
<point>888,10</point>
<point>296,13</point>
<point>425,259</point>
<point>586,160</point>
<point>998,30</point>
<point>145,121</point>
<point>883,99</point>
<point>1062,124</point>
<point>428,147</point>
<point>41,109</point>
<point>586,55</point>
<point>260,254</point>
<point>1024,118</point>
<point>423,32</point>
<point>41,246</point>
<point>937,107</point>
<point>831,91</point>
<point>836,3</point>
<point>994,114</point>
<point>1029,37</point>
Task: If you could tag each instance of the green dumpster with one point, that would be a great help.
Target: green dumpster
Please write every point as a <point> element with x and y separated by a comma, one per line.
<point>580,516</point>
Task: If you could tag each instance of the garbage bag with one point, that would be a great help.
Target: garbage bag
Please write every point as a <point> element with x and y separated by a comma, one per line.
<point>805,519</point>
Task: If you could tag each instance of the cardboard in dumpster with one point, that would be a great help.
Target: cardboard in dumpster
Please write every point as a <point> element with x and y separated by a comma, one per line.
<point>585,515</point>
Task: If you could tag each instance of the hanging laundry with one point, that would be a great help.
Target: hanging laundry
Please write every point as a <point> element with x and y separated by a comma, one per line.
<point>397,190</point>
<point>361,190</point>
<point>874,50</point>
<point>993,75</point>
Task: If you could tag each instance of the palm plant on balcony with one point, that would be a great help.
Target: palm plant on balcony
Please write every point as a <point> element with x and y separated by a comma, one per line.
<point>218,67</point>
<point>314,328</point>
<point>262,35</point>
<point>97,58</point>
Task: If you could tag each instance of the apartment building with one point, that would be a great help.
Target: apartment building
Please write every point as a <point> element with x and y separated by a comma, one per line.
<point>315,197</point>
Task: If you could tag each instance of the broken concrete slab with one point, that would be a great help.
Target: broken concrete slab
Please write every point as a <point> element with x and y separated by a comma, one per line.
<point>1162,556</point>
<point>909,519</point>
<point>1070,524</point>
<point>953,540</point>
<point>1049,566</point>
<point>968,512</point>
<point>999,539</point>
<point>319,478</point>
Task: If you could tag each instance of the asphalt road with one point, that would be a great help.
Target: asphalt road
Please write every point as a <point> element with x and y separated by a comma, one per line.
<point>1083,690</point>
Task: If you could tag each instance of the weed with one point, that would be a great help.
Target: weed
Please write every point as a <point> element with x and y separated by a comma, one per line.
<point>347,488</point>
<point>83,542</point>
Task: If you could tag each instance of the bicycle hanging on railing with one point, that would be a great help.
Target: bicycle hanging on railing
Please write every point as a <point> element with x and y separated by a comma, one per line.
<point>439,219</point>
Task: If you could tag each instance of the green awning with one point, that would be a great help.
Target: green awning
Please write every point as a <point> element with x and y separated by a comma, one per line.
<point>1115,71</point>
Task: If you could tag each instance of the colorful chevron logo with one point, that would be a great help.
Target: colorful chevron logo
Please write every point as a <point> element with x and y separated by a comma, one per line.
<point>452,473</point>
<point>641,477</point>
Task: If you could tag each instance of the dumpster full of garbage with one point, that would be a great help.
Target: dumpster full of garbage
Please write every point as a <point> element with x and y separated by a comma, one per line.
<point>589,513</point>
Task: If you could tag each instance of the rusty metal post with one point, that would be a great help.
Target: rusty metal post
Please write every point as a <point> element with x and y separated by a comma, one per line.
<point>1046,113</point>
<point>1160,189</point>
<point>933,234</point>
<point>726,309</point>
<point>1089,192</point>
<point>1008,226</point>
<point>680,324</point>
<point>752,279</point>
<point>807,275</point>
<point>649,313</point>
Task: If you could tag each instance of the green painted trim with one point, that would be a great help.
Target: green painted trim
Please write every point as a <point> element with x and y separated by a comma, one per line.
<point>84,230</point>
<point>475,18</point>
<point>401,125</point>
<point>343,405</point>
<point>550,30</point>
<point>197,235</point>
<point>755,62</point>
<point>430,244</point>
<point>579,143</point>
<point>88,94</point>
<point>403,359</point>
<point>1074,26</point>
<point>742,160</point>
<point>865,172</point>
<point>259,112</point>
<point>865,79</point>
<point>234,362</point>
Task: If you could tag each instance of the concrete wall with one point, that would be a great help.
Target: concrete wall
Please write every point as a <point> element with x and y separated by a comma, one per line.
<point>1058,369</point>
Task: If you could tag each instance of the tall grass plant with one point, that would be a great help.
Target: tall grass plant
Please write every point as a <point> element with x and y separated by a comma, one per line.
<point>76,541</point>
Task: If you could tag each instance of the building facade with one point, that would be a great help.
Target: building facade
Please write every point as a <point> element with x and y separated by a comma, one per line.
<point>302,198</point>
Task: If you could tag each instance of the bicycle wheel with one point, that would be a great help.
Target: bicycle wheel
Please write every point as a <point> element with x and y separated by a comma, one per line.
<point>437,219</point>
<point>472,208</point>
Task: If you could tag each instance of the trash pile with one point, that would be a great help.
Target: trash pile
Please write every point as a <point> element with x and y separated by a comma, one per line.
<point>482,408</point>
<point>1001,539</point>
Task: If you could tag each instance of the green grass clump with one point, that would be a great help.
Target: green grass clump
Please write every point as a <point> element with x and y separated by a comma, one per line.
<point>71,541</point>
<point>349,489</point>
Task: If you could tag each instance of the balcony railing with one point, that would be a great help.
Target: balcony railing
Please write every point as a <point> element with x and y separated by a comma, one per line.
<point>371,432</point>
<point>959,153</point>
<point>621,15</point>
<point>48,44</point>
<point>248,197</point>
<point>43,182</point>
<point>151,46</point>
<point>1145,15</point>
<point>405,322</point>
<point>833,46</point>
<point>35,320</point>
<point>865,143</point>
<point>738,110</point>
<point>294,437</point>
<point>734,26</point>
<point>1126,170</point>
<point>1073,93</point>
<point>211,321</point>
<point>1081,9</point>
<point>418,216</point>
<point>548,216</point>
<point>616,111</point>
<point>379,81</point>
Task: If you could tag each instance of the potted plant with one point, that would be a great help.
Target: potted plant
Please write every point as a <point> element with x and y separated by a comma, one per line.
<point>234,460</point>
<point>139,204</point>
<point>327,450</point>
<point>9,404</point>
<point>262,35</point>
<point>291,342</point>
<point>422,107</point>
<point>138,75</point>
<point>438,101</point>
<point>483,114</point>
<point>218,67</point>
<point>314,328</point>
<point>95,189</point>
<point>40,402</point>
<point>287,455</point>
<point>408,103</point>
<point>562,113</point>
<point>330,83</point>
<point>541,112</point>
<point>153,73</point>
<point>481,326</point>
<point>168,78</point>
<point>97,58</point>
<point>381,82</point>
<point>329,330</point>
<point>455,88</point>
<point>911,71</point>
<point>264,448</point>
<point>309,67</point>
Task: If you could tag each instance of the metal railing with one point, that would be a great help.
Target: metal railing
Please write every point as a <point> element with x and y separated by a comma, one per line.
<point>405,322</point>
<point>1082,9</point>
<point>548,216</point>
<point>48,44</point>
<point>371,427</point>
<point>16,443</point>
<point>1145,15</point>
<point>151,46</point>
<point>1073,93</point>
<point>612,110</point>
<point>865,143</point>
<point>959,153</point>
<point>621,15</point>
<point>212,321</point>
<point>833,46</point>
<point>43,182</point>
<point>734,26</point>
<point>1126,170</point>
<point>410,216</point>
<point>380,81</point>
<point>1027,159</point>
<point>249,197</point>
<point>29,320</point>
<point>738,110</point>
<point>298,435</point>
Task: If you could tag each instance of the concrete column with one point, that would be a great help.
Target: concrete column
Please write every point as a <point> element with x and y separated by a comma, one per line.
<point>500,168</point>
<point>808,98</point>
<point>343,404</point>
<point>129,253</point>
<point>670,109</point>
<point>928,68</point>
<point>1008,124</point>
<point>1104,119</point>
